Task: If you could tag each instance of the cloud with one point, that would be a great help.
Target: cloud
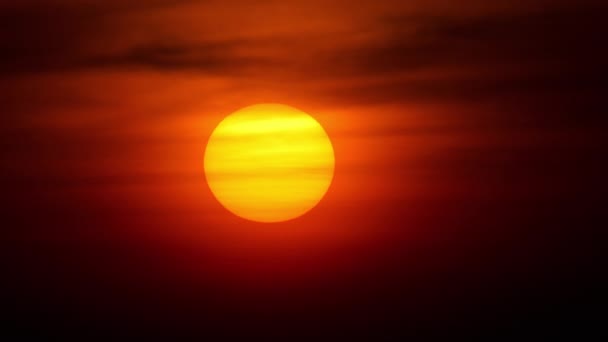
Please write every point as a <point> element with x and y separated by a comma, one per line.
<point>205,57</point>
<point>57,35</point>
<point>533,60</point>
<point>530,64</point>
<point>532,57</point>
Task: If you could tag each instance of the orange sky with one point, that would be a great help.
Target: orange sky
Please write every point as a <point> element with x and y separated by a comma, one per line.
<point>436,109</point>
<point>119,98</point>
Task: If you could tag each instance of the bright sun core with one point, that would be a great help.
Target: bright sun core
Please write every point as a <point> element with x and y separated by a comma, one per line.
<point>269,162</point>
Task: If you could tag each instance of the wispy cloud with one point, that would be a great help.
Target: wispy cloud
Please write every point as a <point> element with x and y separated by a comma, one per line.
<point>535,66</point>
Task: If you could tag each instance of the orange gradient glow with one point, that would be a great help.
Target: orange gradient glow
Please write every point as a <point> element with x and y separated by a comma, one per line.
<point>269,162</point>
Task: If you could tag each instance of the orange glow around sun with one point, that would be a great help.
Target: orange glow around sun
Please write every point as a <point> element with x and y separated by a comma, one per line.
<point>269,162</point>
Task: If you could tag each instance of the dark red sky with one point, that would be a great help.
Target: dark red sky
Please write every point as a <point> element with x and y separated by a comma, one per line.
<point>468,175</point>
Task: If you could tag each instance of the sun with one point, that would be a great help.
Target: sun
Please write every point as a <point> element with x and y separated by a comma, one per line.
<point>269,162</point>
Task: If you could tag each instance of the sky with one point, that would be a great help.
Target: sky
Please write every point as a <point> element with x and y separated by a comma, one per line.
<point>466,194</point>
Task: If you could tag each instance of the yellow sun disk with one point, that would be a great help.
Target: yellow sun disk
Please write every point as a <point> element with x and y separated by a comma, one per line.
<point>269,162</point>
